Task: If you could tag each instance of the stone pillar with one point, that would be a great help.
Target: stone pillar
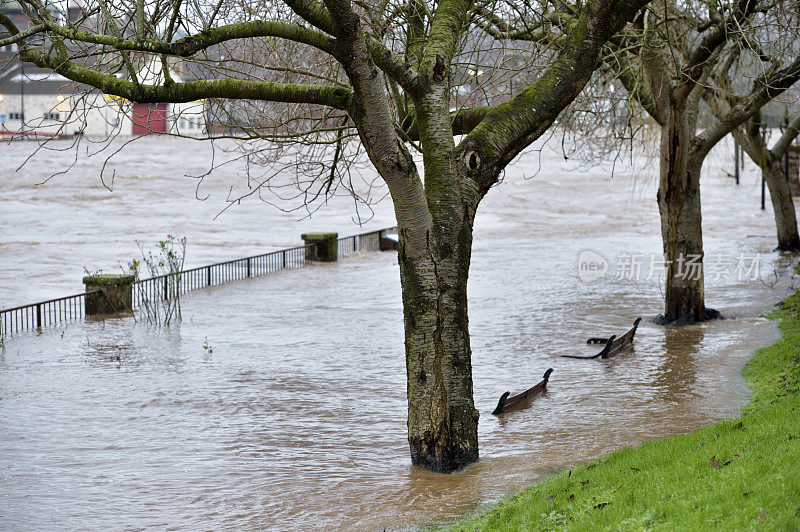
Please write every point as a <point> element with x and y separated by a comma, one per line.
<point>114,293</point>
<point>794,164</point>
<point>325,246</point>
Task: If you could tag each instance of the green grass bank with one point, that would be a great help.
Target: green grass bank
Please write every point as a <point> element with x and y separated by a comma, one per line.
<point>740,474</point>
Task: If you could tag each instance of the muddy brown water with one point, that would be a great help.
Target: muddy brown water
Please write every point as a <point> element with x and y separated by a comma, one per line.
<point>296,419</point>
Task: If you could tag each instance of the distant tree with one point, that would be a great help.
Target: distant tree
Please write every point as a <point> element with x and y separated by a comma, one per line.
<point>676,58</point>
<point>391,75</point>
<point>770,160</point>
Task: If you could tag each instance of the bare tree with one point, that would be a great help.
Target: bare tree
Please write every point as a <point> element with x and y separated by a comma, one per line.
<point>389,74</point>
<point>663,73</point>
<point>678,56</point>
<point>753,141</point>
<point>734,83</point>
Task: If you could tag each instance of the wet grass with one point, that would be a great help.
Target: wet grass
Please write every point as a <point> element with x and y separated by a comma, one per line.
<point>736,475</point>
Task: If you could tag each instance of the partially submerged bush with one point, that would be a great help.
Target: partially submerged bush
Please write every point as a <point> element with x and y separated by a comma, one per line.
<point>160,295</point>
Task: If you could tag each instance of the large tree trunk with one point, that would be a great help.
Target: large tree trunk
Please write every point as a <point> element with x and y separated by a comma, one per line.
<point>442,419</point>
<point>681,227</point>
<point>782,205</point>
<point>434,252</point>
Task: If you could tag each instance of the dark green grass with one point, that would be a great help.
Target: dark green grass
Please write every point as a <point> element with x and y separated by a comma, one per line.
<point>736,475</point>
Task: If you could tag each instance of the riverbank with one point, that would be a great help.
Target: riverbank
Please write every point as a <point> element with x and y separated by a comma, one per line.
<point>733,475</point>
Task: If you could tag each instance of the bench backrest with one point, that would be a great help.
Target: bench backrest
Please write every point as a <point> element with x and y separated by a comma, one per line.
<point>614,344</point>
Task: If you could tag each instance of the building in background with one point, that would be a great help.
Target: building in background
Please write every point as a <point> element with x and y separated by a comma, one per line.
<point>36,103</point>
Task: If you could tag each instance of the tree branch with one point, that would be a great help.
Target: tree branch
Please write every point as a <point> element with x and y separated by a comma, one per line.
<point>192,44</point>
<point>337,97</point>
<point>782,146</point>
<point>463,121</point>
<point>511,126</point>
<point>704,51</point>
<point>20,36</point>
<point>766,90</point>
<point>370,109</point>
<point>446,27</point>
<point>393,65</point>
<point>631,80</point>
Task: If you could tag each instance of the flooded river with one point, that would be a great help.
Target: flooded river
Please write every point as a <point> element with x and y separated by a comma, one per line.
<point>279,402</point>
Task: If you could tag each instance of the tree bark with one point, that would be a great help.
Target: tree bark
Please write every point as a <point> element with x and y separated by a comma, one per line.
<point>782,205</point>
<point>780,194</point>
<point>442,419</point>
<point>681,223</point>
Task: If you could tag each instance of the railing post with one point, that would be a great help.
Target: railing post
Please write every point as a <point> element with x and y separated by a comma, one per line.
<point>248,268</point>
<point>110,294</point>
<point>208,275</point>
<point>166,287</point>
<point>325,246</point>
<point>38,315</point>
<point>284,259</point>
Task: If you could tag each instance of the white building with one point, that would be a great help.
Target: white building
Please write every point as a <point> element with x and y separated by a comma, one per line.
<point>38,103</point>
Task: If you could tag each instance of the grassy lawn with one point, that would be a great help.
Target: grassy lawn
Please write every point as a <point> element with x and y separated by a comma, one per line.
<point>736,475</point>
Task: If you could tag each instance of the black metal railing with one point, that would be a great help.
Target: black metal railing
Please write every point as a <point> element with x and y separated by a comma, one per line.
<point>171,285</point>
<point>63,309</point>
<point>363,242</point>
<point>43,313</point>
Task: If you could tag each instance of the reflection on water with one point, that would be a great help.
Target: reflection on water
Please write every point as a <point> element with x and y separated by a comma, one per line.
<point>676,376</point>
<point>297,418</point>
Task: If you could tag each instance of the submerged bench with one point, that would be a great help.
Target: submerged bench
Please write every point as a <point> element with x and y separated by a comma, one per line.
<point>518,402</point>
<point>613,344</point>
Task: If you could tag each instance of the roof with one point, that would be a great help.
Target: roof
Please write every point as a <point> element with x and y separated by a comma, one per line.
<point>33,81</point>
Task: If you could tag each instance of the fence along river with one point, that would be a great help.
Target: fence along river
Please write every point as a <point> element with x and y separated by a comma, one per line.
<point>297,418</point>
<point>67,308</point>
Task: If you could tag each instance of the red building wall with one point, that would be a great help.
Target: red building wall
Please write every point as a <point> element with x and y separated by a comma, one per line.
<point>149,118</point>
